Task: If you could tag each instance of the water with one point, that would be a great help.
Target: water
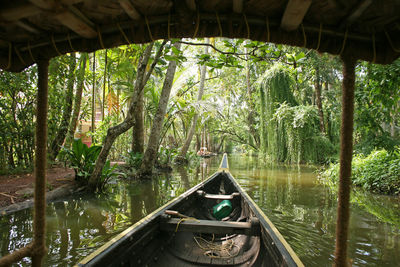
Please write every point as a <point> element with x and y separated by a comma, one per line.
<point>303,211</point>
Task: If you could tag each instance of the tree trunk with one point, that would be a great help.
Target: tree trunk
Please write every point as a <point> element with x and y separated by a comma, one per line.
<point>263,122</point>
<point>104,85</point>
<point>114,132</point>
<point>203,72</point>
<point>198,142</point>
<point>150,155</point>
<point>218,149</point>
<point>318,99</point>
<point>63,127</point>
<point>78,99</point>
<point>138,126</point>
<point>94,97</point>
<point>251,115</point>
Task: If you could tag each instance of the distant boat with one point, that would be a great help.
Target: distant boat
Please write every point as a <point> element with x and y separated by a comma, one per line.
<point>214,223</point>
<point>204,153</point>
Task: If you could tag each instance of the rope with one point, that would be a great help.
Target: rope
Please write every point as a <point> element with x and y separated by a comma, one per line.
<point>100,38</point>
<point>268,33</point>
<point>391,43</point>
<point>30,52</point>
<point>148,28</point>
<point>214,250</point>
<point>304,35</point>
<point>123,33</point>
<point>344,41</point>
<point>70,44</point>
<point>169,23</point>
<point>319,36</point>
<point>19,55</point>
<point>54,44</point>
<point>9,55</point>
<point>197,25</point>
<point>247,26</point>
<point>219,24</point>
<point>185,219</point>
<point>373,47</point>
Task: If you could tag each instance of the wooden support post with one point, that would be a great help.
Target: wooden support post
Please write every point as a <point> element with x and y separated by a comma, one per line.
<point>346,154</point>
<point>39,218</point>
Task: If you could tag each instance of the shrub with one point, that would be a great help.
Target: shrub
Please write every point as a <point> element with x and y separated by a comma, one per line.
<point>378,172</point>
<point>134,159</point>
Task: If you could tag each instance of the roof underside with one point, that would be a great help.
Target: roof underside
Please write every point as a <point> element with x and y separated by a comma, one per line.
<point>40,29</point>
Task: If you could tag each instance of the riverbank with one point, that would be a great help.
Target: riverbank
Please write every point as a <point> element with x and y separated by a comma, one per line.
<point>379,172</point>
<point>17,188</point>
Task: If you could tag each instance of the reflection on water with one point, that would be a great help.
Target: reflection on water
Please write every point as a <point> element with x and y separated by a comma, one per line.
<point>304,212</point>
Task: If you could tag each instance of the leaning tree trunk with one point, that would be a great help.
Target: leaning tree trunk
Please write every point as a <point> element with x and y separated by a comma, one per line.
<point>138,124</point>
<point>203,72</point>
<point>150,155</point>
<point>63,128</point>
<point>114,132</point>
<point>78,99</point>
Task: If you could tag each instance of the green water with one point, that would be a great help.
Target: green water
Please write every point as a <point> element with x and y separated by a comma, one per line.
<point>303,211</point>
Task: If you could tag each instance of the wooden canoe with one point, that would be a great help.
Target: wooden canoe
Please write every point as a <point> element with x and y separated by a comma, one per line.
<point>184,232</point>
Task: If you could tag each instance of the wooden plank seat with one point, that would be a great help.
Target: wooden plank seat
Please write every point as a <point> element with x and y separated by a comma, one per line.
<point>251,228</point>
<point>217,197</point>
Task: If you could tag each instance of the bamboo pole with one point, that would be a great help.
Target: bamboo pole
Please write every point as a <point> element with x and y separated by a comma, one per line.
<point>346,153</point>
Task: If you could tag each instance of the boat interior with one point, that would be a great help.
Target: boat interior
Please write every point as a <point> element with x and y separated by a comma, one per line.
<point>195,237</point>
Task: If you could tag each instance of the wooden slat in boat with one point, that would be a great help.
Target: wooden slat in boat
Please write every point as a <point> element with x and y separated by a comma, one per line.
<point>249,237</point>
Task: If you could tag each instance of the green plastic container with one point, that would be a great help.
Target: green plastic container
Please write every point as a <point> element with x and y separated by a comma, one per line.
<point>222,209</point>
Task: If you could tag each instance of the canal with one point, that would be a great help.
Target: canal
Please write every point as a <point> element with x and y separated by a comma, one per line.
<point>303,211</point>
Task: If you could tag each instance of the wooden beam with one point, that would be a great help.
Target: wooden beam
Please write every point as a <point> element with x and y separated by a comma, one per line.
<point>201,193</point>
<point>130,9</point>
<point>356,12</point>
<point>81,16</point>
<point>44,4</point>
<point>191,4</point>
<point>19,12</point>
<point>237,6</point>
<point>27,26</point>
<point>294,14</point>
<point>76,24</point>
<point>211,227</point>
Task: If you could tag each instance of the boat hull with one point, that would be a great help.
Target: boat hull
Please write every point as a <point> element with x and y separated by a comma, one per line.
<point>157,241</point>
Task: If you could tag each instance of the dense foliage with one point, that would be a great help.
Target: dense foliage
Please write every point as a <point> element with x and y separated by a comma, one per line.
<point>279,102</point>
<point>378,172</point>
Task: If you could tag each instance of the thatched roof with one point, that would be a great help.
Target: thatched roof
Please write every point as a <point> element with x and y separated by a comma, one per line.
<point>30,30</point>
